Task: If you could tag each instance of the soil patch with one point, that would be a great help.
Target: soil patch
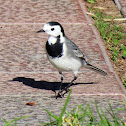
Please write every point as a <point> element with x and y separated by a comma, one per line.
<point>109,9</point>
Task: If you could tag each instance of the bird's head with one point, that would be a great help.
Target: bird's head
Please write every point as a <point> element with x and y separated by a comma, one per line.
<point>53,29</point>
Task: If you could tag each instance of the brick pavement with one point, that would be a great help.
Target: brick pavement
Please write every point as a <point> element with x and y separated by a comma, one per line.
<point>27,75</point>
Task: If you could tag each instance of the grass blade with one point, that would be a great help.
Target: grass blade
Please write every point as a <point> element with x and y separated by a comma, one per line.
<point>106,119</point>
<point>52,115</point>
<point>64,109</point>
<point>102,122</point>
<point>7,123</point>
<point>14,120</point>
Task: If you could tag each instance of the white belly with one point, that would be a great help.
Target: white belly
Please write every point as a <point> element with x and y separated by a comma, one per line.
<point>66,63</point>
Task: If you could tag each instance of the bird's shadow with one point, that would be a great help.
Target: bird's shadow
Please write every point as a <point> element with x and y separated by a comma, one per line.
<point>43,84</point>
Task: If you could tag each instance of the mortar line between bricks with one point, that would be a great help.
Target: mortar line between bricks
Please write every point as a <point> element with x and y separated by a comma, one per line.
<point>38,23</point>
<point>100,94</point>
<point>43,72</point>
<point>29,72</point>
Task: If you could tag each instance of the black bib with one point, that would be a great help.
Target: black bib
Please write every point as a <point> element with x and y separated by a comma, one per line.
<point>55,50</point>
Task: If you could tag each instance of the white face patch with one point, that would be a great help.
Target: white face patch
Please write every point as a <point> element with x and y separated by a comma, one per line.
<point>52,40</point>
<point>52,30</point>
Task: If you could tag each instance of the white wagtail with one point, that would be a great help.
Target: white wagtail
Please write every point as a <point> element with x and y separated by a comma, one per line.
<point>63,54</point>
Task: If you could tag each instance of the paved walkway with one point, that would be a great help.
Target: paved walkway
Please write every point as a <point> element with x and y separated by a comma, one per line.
<point>26,74</point>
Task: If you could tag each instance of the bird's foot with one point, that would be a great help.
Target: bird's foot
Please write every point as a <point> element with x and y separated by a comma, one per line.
<point>61,93</point>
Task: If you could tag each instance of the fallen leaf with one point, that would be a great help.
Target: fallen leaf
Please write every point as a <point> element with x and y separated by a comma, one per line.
<point>31,103</point>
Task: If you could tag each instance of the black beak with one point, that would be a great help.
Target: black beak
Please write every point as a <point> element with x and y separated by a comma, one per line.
<point>40,31</point>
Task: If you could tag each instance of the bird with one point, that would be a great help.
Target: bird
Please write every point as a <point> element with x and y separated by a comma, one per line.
<point>64,54</point>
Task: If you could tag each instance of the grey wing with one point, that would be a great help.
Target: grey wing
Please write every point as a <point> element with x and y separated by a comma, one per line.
<point>73,48</point>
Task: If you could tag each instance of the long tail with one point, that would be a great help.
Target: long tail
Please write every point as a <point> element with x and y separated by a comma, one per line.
<point>96,69</point>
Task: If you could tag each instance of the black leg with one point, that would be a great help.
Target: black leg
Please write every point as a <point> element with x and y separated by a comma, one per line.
<point>66,89</point>
<point>62,92</point>
<point>70,83</point>
<point>61,77</point>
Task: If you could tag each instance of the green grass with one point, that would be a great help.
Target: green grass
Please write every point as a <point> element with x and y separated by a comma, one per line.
<point>111,32</point>
<point>83,116</point>
<point>125,82</point>
<point>14,121</point>
<point>58,120</point>
<point>90,1</point>
<point>112,35</point>
<point>79,116</point>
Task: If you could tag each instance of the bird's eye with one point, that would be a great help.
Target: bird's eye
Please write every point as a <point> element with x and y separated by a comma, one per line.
<point>52,29</point>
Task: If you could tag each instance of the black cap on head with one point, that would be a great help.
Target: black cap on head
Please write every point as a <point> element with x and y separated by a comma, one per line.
<point>56,23</point>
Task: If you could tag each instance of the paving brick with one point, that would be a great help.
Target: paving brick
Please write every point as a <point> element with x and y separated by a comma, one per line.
<point>17,107</point>
<point>23,55</point>
<point>23,50</point>
<point>40,11</point>
<point>46,83</point>
<point>26,74</point>
<point>121,4</point>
